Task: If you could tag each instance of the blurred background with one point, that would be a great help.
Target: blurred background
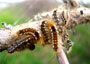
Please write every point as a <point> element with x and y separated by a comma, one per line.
<point>16,12</point>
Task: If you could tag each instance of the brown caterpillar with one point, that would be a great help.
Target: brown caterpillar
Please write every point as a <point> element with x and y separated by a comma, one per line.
<point>19,45</point>
<point>55,18</point>
<point>54,38</point>
<point>62,21</point>
<point>44,31</point>
<point>28,40</point>
<point>28,31</point>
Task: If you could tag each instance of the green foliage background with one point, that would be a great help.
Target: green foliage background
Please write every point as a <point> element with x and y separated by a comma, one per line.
<point>80,53</point>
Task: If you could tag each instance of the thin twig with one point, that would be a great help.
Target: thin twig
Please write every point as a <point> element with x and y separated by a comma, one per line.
<point>62,59</point>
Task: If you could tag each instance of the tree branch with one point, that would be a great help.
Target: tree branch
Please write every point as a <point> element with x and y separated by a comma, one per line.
<point>74,16</point>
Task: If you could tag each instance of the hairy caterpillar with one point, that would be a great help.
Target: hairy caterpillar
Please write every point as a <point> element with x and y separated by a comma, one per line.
<point>52,26</point>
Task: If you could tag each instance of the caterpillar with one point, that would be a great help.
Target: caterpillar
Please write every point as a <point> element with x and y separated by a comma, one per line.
<point>28,37</point>
<point>52,26</point>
